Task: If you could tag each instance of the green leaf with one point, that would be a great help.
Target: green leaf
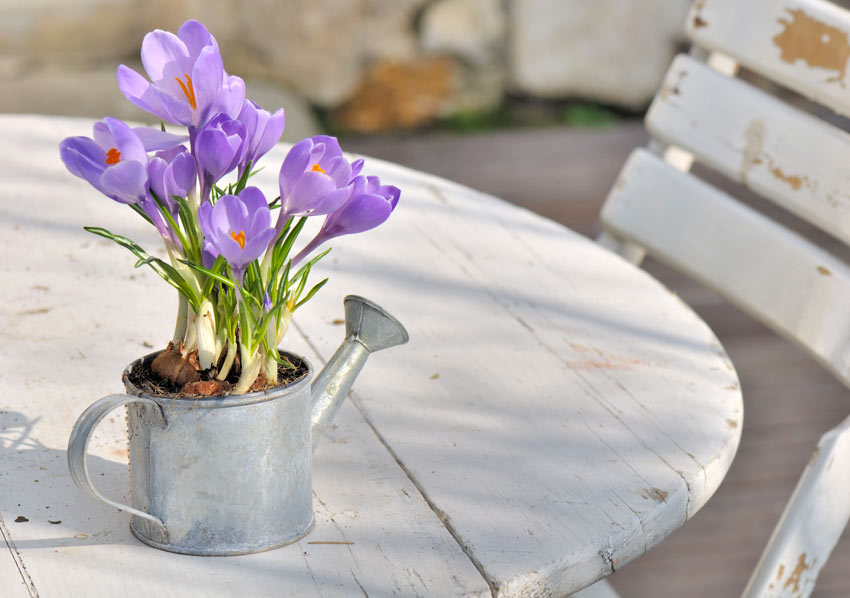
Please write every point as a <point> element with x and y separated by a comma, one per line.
<point>212,273</point>
<point>165,271</point>
<point>306,267</point>
<point>275,354</point>
<point>310,294</point>
<point>164,210</point>
<point>138,210</point>
<point>302,282</point>
<point>190,224</point>
<point>243,180</point>
<point>282,252</point>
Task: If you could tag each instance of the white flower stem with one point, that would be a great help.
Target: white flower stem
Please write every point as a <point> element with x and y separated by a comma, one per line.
<point>204,324</point>
<point>180,325</point>
<point>190,342</point>
<point>251,364</point>
<point>229,358</point>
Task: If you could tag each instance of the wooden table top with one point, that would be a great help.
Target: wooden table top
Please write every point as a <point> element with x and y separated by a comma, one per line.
<point>556,413</point>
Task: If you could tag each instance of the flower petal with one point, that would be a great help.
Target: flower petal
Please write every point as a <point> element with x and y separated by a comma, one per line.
<point>294,164</point>
<point>207,78</point>
<point>155,140</point>
<point>83,157</point>
<point>126,140</point>
<point>165,56</point>
<point>125,182</point>
<point>196,37</point>
<point>141,93</point>
<point>311,186</point>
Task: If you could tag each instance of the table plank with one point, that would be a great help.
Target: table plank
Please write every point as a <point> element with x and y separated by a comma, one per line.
<point>11,577</point>
<point>62,303</point>
<point>556,350</point>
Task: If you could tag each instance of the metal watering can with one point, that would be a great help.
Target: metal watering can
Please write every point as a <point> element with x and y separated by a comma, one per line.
<point>232,475</point>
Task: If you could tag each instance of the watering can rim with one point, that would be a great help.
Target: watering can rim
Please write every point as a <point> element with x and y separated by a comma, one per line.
<point>220,401</point>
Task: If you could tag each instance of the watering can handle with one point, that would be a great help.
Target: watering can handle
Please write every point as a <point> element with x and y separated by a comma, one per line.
<point>79,442</point>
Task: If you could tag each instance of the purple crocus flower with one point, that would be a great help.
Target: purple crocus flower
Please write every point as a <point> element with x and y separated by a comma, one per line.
<point>370,204</point>
<point>188,84</point>
<point>219,146</point>
<point>314,178</point>
<point>171,172</point>
<point>114,162</point>
<point>237,227</point>
<point>264,130</point>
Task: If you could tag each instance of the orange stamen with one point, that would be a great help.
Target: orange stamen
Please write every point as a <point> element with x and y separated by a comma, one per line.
<point>240,238</point>
<point>189,90</point>
<point>113,156</point>
<point>317,168</point>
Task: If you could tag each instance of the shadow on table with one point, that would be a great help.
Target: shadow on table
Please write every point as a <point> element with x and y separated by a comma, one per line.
<point>93,539</point>
<point>40,505</point>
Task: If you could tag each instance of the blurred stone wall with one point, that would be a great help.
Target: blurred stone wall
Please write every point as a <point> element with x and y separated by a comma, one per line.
<point>372,64</point>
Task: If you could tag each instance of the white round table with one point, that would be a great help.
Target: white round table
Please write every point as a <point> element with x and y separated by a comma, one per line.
<point>556,413</point>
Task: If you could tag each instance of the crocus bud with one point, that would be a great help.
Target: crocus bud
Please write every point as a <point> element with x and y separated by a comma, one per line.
<point>314,178</point>
<point>219,147</point>
<point>171,172</point>
<point>369,205</point>
<point>263,129</point>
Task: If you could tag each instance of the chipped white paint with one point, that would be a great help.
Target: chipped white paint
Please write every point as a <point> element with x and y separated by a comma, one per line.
<point>777,276</point>
<point>792,159</point>
<point>788,156</point>
<point>801,44</point>
<point>722,63</point>
<point>559,409</point>
<point>811,524</point>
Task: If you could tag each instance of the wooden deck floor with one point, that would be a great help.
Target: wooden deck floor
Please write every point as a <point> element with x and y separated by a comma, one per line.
<point>790,401</point>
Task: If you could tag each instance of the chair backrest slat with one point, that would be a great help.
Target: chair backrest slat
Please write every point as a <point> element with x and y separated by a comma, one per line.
<point>788,156</point>
<point>801,44</point>
<point>774,274</point>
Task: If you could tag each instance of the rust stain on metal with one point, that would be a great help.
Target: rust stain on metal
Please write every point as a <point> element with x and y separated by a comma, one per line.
<point>796,574</point>
<point>699,22</point>
<point>824,270</point>
<point>816,43</point>
<point>780,572</point>
<point>795,181</point>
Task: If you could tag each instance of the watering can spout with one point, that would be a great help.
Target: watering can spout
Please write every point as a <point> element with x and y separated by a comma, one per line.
<point>368,328</point>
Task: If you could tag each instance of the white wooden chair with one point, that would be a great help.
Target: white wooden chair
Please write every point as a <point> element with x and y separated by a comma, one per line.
<point>704,113</point>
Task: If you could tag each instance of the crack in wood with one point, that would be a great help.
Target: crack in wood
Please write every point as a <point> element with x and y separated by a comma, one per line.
<point>442,516</point>
<point>19,561</point>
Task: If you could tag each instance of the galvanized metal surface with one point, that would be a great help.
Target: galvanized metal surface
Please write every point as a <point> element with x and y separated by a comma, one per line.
<point>231,475</point>
<point>368,328</point>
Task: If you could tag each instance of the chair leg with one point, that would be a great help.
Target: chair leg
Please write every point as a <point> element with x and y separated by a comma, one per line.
<point>811,524</point>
